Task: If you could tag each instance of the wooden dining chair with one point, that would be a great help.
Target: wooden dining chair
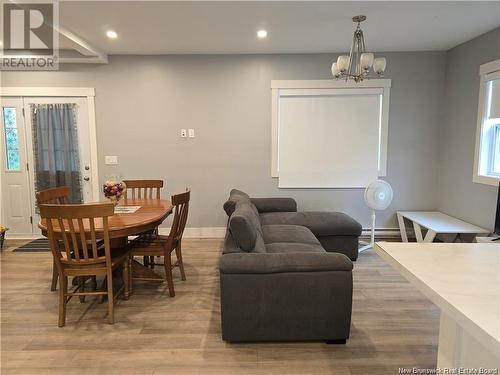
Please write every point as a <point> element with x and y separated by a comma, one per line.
<point>144,189</point>
<point>165,245</point>
<point>73,226</point>
<point>58,195</point>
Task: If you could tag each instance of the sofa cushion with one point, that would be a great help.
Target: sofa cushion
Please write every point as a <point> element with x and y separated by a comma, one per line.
<point>235,196</point>
<point>244,225</point>
<point>288,233</point>
<point>320,223</point>
<point>291,247</point>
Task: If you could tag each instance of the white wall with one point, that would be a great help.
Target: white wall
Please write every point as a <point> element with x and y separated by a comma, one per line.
<point>143,101</point>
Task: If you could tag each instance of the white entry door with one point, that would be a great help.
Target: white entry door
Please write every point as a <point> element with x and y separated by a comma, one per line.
<point>54,150</point>
<point>15,185</point>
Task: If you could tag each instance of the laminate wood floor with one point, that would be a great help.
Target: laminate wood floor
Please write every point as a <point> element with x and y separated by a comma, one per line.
<point>393,325</point>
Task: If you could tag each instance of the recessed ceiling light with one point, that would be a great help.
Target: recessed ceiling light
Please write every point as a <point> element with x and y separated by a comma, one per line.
<point>262,34</point>
<point>111,34</point>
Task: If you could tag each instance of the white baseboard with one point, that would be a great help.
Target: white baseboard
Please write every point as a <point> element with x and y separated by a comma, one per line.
<point>216,232</point>
<point>202,232</point>
<point>384,232</point>
<point>11,236</point>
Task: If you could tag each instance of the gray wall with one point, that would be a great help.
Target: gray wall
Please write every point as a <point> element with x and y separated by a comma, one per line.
<point>142,102</point>
<point>458,195</point>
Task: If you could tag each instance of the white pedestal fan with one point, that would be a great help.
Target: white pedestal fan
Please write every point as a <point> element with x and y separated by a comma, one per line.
<point>378,196</point>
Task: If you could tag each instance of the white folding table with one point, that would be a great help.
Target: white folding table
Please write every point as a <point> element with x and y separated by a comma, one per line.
<point>436,223</point>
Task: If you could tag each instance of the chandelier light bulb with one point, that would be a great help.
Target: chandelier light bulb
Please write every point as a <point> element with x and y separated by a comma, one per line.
<point>366,60</point>
<point>335,70</point>
<point>379,65</point>
<point>343,63</point>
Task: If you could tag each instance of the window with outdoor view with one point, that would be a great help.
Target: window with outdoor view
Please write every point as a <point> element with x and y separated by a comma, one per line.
<point>487,168</point>
<point>11,135</point>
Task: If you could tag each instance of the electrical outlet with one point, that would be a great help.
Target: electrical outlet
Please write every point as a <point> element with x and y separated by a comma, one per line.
<point>111,160</point>
<point>183,133</point>
<point>191,133</point>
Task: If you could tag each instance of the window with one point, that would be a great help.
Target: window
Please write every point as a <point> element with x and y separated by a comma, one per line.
<point>487,160</point>
<point>13,162</point>
<point>495,164</point>
<point>329,134</point>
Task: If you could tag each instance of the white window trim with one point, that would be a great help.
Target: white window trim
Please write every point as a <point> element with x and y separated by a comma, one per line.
<point>277,85</point>
<point>487,72</point>
<point>87,92</point>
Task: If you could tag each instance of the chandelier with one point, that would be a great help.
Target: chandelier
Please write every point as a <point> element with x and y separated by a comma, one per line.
<point>359,64</point>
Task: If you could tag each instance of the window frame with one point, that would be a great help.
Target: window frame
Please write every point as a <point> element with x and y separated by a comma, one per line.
<point>4,138</point>
<point>310,85</point>
<point>485,143</point>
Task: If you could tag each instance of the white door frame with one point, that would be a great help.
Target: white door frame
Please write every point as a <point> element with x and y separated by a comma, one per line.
<point>84,92</point>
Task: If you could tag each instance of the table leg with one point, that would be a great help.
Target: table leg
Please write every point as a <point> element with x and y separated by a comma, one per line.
<point>402,227</point>
<point>140,272</point>
<point>418,232</point>
<point>458,348</point>
<point>430,235</point>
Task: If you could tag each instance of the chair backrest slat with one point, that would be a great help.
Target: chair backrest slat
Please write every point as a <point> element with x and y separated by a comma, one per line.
<point>77,237</point>
<point>181,208</point>
<point>67,247</point>
<point>143,189</point>
<point>93,239</point>
<point>83,240</point>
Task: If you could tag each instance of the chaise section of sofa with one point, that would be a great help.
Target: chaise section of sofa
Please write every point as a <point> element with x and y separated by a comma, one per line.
<point>336,231</point>
<point>277,281</point>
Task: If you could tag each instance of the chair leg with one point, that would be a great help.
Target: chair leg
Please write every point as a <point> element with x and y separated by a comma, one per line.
<point>146,261</point>
<point>167,261</point>
<point>178,253</point>
<point>93,283</point>
<point>104,286</point>
<point>111,310</point>
<point>81,287</point>
<point>55,275</point>
<point>131,281</point>
<point>126,278</point>
<point>152,262</point>
<point>63,289</point>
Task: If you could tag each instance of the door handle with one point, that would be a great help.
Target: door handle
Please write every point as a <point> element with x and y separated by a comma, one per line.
<point>86,178</point>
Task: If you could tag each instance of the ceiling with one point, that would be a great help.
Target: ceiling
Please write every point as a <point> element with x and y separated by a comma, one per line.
<point>229,27</point>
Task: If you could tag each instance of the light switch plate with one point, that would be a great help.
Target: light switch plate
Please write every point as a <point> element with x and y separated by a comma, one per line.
<point>183,133</point>
<point>191,133</point>
<point>111,160</point>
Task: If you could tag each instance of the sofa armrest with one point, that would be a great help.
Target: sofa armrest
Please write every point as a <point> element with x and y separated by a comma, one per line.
<point>266,263</point>
<point>275,204</point>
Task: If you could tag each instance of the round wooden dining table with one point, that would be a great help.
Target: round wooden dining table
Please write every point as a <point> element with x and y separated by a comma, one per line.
<point>150,214</point>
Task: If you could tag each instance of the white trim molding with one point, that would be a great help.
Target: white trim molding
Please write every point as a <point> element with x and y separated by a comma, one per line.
<point>487,72</point>
<point>280,88</point>
<point>48,91</point>
<point>201,232</point>
<point>219,233</point>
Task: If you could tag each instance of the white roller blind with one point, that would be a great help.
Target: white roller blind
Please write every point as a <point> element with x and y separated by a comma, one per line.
<point>495,99</point>
<point>329,138</point>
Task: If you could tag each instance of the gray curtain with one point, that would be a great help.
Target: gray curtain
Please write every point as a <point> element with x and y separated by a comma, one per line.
<point>55,146</point>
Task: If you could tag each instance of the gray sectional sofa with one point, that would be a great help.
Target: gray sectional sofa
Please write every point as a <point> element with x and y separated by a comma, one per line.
<point>278,281</point>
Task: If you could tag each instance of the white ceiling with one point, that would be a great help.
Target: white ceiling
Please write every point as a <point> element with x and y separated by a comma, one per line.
<point>230,27</point>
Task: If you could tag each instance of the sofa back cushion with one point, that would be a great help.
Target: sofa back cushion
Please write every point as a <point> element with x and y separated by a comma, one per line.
<point>245,228</point>
<point>235,196</point>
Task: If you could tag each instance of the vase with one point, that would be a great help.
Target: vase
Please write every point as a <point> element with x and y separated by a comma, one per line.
<point>114,189</point>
